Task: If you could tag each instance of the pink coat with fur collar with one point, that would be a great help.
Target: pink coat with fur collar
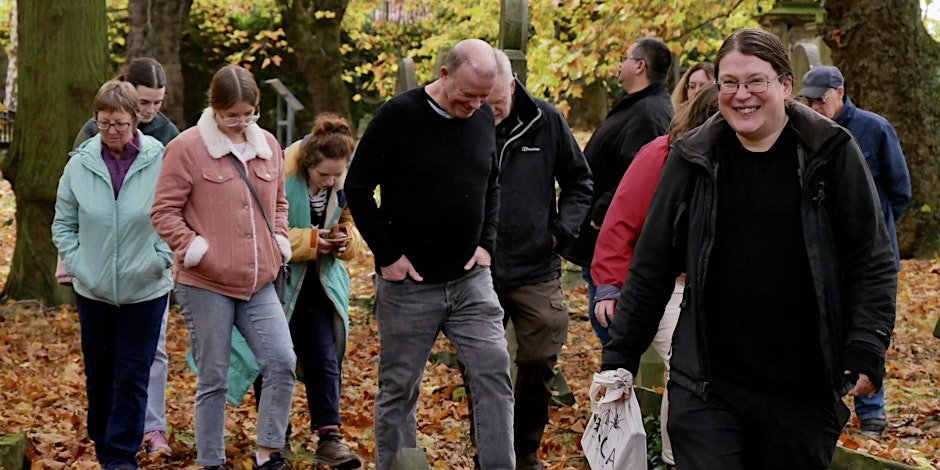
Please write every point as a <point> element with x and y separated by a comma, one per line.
<point>206,214</point>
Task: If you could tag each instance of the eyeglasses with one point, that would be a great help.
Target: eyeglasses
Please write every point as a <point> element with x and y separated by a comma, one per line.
<point>118,126</point>
<point>237,121</point>
<point>759,85</point>
<point>817,101</point>
<point>626,58</point>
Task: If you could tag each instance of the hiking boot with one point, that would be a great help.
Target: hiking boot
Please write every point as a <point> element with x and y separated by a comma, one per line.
<point>332,451</point>
<point>157,443</point>
<point>528,462</point>
<point>277,462</point>
<point>873,427</point>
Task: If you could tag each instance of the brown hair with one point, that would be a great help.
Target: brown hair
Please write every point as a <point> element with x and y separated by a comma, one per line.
<point>758,43</point>
<point>232,85</point>
<point>144,71</point>
<point>116,95</point>
<point>331,138</point>
<point>681,93</point>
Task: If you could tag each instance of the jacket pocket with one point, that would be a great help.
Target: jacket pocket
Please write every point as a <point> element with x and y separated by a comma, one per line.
<point>217,176</point>
<point>265,174</point>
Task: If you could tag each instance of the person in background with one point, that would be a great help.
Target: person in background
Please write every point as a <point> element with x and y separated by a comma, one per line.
<point>149,80</point>
<point>789,301</point>
<point>120,269</point>
<point>322,236</point>
<point>535,149</point>
<point>622,227</point>
<point>824,91</point>
<point>431,151</point>
<point>229,237</point>
<point>695,79</point>
<point>641,115</point>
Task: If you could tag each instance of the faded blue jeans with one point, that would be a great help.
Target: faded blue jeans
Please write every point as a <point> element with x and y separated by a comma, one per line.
<point>410,315</point>
<point>210,318</point>
<point>156,387</point>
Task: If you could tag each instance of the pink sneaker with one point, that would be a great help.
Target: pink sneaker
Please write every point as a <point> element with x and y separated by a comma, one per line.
<point>157,444</point>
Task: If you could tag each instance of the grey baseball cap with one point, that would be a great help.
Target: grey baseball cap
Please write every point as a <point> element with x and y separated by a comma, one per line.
<point>819,80</point>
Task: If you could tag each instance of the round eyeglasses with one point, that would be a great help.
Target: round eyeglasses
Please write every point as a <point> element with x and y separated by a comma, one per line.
<point>237,121</point>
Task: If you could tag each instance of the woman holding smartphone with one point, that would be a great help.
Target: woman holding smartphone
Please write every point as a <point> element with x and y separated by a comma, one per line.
<point>322,236</point>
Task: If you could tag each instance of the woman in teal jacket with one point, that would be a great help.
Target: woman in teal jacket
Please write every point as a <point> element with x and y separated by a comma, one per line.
<point>120,268</point>
<point>321,235</point>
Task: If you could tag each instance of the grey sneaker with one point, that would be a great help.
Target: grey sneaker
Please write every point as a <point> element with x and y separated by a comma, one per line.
<point>873,427</point>
<point>332,451</point>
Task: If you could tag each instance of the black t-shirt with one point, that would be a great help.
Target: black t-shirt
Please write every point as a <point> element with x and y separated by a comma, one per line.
<point>760,308</point>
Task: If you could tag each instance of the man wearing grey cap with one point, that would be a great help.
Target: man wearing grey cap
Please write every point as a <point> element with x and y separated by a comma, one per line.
<point>824,91</point>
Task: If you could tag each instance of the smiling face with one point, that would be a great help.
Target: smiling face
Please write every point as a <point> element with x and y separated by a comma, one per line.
<point>465,90</point>
<point>757,118</point>
<point>151,99</point>
<point>325,174</point>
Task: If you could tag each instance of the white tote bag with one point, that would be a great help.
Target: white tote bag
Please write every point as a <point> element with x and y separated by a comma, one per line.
<point>614,438</point>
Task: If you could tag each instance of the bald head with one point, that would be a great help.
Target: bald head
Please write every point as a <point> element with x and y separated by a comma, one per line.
<point>475,54</point>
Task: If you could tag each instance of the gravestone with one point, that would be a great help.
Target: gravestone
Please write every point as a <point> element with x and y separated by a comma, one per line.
<point>514,34</point>
<point>805,55</point>
<point>798,23</point>
<point>406,76</point>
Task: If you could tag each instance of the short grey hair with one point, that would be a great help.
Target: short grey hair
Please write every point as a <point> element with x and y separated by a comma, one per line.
<point>503,67</point>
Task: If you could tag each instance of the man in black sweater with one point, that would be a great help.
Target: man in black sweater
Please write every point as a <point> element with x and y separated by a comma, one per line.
<point>641,115</point>
<point>535,149</point>
<point>431,151</point>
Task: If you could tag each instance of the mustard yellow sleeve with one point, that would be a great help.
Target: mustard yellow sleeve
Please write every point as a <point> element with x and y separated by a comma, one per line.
<point>303,243</point>
<point>355,245</point>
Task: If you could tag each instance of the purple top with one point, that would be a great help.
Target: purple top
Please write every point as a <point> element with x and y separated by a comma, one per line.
<point>118,167</point>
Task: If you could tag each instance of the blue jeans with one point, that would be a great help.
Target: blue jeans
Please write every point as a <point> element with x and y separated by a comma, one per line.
<point>410,315</point>
<point>599,330</point>
<point>874,407</point>
<point>210,318</point>
<point>156,387</point>
<point>118,344</point>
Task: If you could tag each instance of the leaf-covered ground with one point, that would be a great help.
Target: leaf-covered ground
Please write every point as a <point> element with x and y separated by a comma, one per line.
<point>42,385</point>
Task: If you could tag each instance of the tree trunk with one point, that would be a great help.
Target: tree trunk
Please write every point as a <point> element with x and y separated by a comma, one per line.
<point>892,67</point>
<point>316,43</point>
<point>63,59</point>
<point>156,27</point>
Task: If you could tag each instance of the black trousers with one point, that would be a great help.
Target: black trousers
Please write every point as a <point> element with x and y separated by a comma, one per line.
<point>311,328</point>
<point>738,428</point>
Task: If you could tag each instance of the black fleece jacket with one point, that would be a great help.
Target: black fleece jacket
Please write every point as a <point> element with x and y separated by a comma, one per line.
<point>850,256</point>
<point>637,119</point>
<point>538,151</point>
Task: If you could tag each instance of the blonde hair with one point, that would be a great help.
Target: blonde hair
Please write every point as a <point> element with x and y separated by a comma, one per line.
<point>681,93</point>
